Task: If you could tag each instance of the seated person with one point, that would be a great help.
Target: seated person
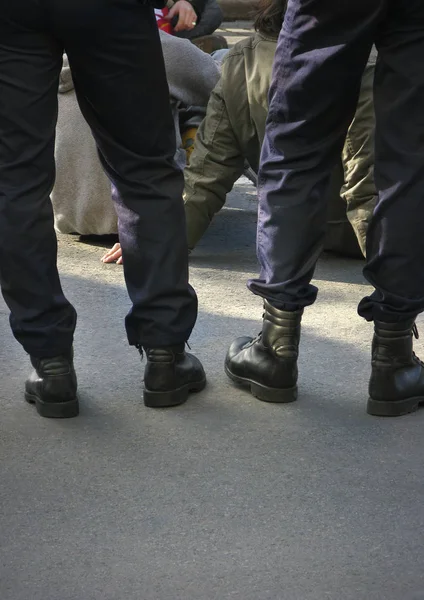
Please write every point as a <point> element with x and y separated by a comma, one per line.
<point>82,195</point>
<point>233,131</point>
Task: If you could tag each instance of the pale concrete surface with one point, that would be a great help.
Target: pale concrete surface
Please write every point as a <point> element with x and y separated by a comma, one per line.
<point>225,497</point>
<point>237,9</point>
<point>235,31</point>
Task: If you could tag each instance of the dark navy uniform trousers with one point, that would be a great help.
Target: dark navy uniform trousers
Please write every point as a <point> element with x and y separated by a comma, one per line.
<point>116,59</point>
<point>321,54</point>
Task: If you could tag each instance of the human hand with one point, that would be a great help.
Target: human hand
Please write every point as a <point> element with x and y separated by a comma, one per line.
<point>113,255</point>
<point>187,18</point>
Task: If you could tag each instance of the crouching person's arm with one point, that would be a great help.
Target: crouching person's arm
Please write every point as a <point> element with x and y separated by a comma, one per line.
<point>215,165</point>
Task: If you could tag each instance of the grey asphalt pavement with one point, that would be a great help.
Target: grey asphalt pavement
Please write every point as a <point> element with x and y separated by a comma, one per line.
<point>225,497</point>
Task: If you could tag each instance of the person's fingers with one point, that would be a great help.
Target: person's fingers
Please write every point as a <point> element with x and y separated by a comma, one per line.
<point>118,252</point>
<point>110,258</point>
<point>173,12</point>
<point>113,254</point>
<point>191,18</point>
<point>181,23</point>
<point>111,251</point>
<point>120,261</point>
<point>108,254</point>
<point>184,23</point>
<point>187,17</point>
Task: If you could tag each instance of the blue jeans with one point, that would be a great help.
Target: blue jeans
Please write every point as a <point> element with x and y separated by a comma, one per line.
<point>321,55</point>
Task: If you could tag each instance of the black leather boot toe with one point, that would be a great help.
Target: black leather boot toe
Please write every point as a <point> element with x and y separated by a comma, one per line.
<point>397,379</point>
<point>52,387</point>
<point>268,363</point>
<point>171,374</point>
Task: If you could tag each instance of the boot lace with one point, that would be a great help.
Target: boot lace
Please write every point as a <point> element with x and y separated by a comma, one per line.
<point>141,351</point>
<point>416,335</point>
<point>254,340</point>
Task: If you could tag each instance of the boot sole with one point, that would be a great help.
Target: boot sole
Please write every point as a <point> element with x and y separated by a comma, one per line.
<point>174,397</point>
<point>54,410</point>
<point>393,408</point>
<point>264,393</point>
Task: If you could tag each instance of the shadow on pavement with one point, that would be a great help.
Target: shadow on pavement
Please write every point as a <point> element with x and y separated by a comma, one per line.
<point>224,497</point>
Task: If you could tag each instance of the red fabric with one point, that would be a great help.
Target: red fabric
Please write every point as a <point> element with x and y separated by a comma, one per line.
<point>163,24</point>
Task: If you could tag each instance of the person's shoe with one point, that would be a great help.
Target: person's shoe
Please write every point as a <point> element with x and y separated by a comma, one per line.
<point>210,43</point>
<point>187,139</point>
<point>52,387</point>
<point>268,363</point>
<point>397,379</point>
<point>171,374</point>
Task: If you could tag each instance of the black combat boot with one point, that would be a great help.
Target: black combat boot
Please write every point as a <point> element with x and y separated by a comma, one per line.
<point>52,387</point>
<point>397,378</point>
<point>170,375</point>
<point>268,364</point>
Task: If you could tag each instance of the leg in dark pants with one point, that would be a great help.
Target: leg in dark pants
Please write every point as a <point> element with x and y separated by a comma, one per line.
<point>320,57</point>
<point>119,78</point>
<point>114,51</point>
<point>30,62</point>
<point>304,137</point>
<point>395,241</point>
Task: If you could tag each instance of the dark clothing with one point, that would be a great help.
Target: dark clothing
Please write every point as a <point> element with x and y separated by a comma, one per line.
<point>321,55</point>
<point>199,6</point>
<point>112,46</point>
<point>210,17</point>
<point>233,132</point>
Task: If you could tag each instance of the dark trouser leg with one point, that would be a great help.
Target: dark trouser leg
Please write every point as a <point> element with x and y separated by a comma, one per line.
<point>321,55</point>
<point>119,74</point>
<point>42,320</point>
<point>395,244</point>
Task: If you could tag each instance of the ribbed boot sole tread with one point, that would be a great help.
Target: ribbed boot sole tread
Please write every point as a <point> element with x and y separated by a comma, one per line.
<point>154,399</point>
<point>54,410</point>
<point>264,393</point>
<point>394,408</point>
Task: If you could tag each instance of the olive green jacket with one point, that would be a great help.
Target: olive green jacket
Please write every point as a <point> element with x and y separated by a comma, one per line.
<point>233,130</point>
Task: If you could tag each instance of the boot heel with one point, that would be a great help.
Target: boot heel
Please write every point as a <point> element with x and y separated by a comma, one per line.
<point>54,410</point>
<point>393,408</point>
<point>273,395</point>
<point>172,398</point>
